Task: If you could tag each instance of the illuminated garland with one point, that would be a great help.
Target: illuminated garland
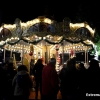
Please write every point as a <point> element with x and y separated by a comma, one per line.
<point>46,40</point>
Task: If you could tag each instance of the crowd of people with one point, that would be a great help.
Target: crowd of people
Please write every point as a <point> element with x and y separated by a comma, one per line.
<point>73,81</point>
<point>76,81</point>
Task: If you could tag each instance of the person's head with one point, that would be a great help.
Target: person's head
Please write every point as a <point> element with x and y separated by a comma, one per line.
<point>39,61</point>
<point>10,66</point>
<point>22,68</point>
<point>32,60</point>
<point>52,61</point>
<point>94,64</point>
<point>71,64</point>
<point>5,65</point>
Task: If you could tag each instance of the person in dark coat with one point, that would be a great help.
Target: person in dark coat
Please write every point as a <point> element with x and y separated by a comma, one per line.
<point>69,80</point>
<point>31,66</point>
<point>22,84</point>
<point>3,81</point>
<point>93,77</point>
<point>50,81</point>
<point>11,72</point>
<point>82,81</point>
<point>37,72</point>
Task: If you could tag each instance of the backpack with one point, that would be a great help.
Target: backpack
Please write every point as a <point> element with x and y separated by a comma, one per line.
<point>22,81</point>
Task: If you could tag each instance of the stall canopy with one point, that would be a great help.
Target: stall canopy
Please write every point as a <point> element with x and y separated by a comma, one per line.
<point>45,29</point>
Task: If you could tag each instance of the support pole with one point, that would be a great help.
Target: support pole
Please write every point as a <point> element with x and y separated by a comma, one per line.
<point>87,58</point>
<point>4,55</point>
<point>11,53</point>
<point>22,54</point>
<point>46,60</point>
<point>69,54</point>
<point>62,52</point>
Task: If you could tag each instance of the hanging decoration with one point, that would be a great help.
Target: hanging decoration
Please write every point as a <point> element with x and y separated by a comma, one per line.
<point>72,53</point>
<point>57,48</point>
<point>10,42</point>
<point>31,50</point>
<point>59,60</point>
<point>31,53</point>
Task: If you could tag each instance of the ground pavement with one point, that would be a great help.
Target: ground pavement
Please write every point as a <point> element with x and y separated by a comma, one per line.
<point>32,95</point>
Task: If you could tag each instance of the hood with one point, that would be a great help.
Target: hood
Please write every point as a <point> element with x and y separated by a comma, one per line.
<point>22,72</point>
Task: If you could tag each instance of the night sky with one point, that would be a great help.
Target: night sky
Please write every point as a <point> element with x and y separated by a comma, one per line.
<point>29,9</point>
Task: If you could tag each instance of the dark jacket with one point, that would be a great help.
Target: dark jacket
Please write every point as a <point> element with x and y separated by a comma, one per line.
<point>37,70</point>
<point>69,80</point>
<point>18,91</point>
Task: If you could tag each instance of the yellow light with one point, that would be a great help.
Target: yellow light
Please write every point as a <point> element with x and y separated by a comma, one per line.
<point>46,20</point>
<point>36,21</point>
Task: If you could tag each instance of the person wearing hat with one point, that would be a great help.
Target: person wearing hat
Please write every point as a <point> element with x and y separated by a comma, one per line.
<point>50,82</point>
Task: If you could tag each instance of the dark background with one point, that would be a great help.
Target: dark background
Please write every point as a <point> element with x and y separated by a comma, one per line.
<point>77,11</point>
<point>7,56</point>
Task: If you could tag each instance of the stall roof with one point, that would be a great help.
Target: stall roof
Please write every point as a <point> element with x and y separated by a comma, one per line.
<point>42,28</point>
